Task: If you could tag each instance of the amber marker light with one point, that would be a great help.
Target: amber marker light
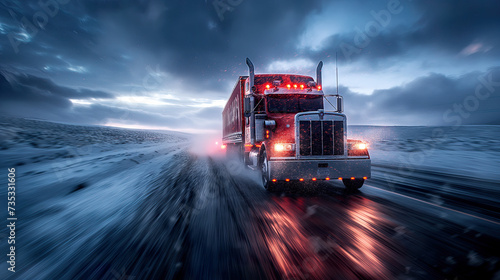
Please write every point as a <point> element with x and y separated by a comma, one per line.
<point>274,180</point>
<point>301,179</point>
<point>352,178</point>
<point>365,178</point>
<point>340,178</point>
<point>314,179</point>
<point>328,179</point>
<point>288,180</point>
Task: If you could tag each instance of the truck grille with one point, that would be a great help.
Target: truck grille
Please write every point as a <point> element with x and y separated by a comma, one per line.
<point>321,138</point>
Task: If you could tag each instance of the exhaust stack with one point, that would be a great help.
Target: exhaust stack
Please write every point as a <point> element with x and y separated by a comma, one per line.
<point>318,73</point>
<point>251,74</point>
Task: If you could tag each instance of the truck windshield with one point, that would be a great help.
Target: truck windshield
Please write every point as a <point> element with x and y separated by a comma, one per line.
<point>294,103</point>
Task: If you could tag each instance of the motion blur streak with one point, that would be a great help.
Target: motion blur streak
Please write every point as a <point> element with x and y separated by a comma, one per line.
<point>353,244</point>
<point>367,252</point>
<point>105,203</point>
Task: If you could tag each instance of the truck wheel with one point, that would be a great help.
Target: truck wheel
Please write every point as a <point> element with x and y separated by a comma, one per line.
<point>353,185</point>
<point>264,169</point>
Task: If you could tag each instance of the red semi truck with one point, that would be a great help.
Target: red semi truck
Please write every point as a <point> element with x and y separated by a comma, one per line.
<point>277,123</point>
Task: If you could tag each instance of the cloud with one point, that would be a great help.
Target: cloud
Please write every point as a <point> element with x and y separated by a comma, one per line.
<point>30,96</point>
<point>475,48</point>
<point>211,113</point>
<point>103,114</point>
<point>435,99</point>
<point>13,91</point>
<point>445,27</point>
<point>170,55</point>
<point>35,97</point>
<point>29,86</point>
<point>290,66</point>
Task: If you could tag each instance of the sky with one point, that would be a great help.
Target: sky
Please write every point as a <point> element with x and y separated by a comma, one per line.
<point>173,64</point>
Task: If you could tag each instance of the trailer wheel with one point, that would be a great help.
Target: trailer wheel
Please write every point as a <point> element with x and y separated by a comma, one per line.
<point>264,169</point>
<point>353,185</point>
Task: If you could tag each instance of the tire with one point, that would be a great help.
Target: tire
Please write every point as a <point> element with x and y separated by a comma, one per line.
<point>264,171</point>
<point>353,185</point>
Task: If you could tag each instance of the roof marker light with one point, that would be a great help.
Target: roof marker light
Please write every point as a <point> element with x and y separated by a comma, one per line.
<point>340,178</point>
<point>274,180</point>
<point>268,86</point>
<point>288,86</point>
<point>294,86</point>
<point>365,178</point>
<point>327,178</point>
<point>352,178</point>
<point>301,179</point>
<point>314,179</point>
<point>319,87</point>
<point>301,86</point>
<point>288,180</point>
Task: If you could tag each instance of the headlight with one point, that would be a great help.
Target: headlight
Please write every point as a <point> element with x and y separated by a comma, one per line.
<point>283,147</point>
<point>361,146</point>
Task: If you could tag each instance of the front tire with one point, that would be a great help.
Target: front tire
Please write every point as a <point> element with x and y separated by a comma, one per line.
<point>264,169</point>
<point>353,185</point>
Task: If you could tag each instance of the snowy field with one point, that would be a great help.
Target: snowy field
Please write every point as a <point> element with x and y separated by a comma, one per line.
<point>472,151</point>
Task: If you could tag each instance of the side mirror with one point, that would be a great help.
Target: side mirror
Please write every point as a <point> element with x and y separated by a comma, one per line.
<point>340,104</point>
<point>246,107</point>
<point>270,124</point>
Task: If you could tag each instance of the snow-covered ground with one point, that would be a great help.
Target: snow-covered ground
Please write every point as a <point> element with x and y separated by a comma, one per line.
<point>472,151</point>
<point>74,180</point>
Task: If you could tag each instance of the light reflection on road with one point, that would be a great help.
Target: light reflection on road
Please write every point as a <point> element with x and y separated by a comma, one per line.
<point>353,243</point>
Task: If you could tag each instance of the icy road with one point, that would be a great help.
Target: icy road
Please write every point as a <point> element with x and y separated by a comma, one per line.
<point>104,203</point>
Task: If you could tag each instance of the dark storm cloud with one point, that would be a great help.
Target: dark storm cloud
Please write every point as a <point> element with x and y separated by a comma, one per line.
<point>113,45</point>
<point>189,39</point>
<point>455,24</point>
<point>22,93</point>
<point>24,86</point>
<point>435,99</point>
<point>52,41</point>
<point>186,38</point>
<point>442,26</point>
<point>30,96</point>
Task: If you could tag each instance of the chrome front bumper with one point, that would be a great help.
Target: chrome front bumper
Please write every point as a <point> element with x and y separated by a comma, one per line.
<point>295,169</point>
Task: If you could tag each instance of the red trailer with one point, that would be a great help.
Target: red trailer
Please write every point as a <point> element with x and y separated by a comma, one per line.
<point>232,115</point>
